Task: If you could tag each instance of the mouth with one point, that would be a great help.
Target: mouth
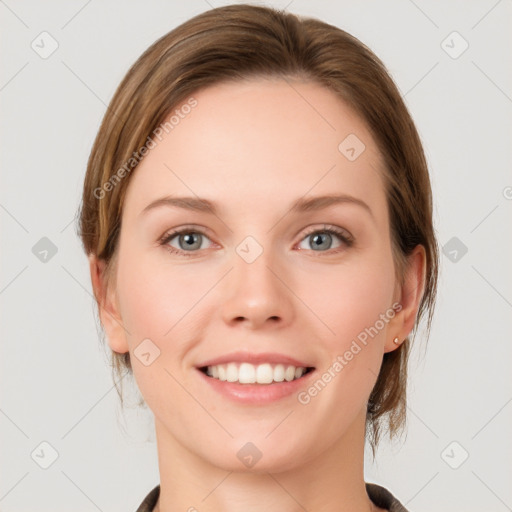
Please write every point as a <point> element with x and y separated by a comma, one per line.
<point>248,373</point>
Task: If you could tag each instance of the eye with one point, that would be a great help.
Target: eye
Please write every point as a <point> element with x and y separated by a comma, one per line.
<point>322,240</point>
<point>185,240</point>
<point>189,241</point>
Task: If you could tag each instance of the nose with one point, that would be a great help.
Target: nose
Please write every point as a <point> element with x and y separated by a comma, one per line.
<point>257,296</point>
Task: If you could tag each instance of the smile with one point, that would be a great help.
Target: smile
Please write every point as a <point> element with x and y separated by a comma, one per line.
<point>247,373</point>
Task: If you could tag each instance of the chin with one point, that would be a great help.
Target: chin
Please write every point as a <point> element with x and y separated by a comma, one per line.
<point>258,457</point>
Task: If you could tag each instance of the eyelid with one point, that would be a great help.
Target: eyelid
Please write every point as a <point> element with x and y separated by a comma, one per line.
<point>187,228</point>
<point>338,230</point>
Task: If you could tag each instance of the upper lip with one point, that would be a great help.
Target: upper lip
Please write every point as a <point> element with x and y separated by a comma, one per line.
<point>247,357</point>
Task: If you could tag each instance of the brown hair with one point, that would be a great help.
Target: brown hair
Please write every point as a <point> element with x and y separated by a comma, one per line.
<point>237,42</point>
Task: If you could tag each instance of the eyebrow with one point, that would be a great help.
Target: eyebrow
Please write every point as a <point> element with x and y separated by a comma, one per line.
<point>300,205</point>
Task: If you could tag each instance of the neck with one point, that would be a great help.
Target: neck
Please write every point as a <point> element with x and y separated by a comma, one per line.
<point>332,481</point>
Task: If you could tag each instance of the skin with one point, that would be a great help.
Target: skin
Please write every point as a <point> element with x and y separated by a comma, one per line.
<point>253,148</point>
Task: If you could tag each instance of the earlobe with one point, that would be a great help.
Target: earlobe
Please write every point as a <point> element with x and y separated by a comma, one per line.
<point>108,308</point>
<point>410,295</point>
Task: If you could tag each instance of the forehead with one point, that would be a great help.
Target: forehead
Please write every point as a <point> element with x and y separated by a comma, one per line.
<point>260,141</point>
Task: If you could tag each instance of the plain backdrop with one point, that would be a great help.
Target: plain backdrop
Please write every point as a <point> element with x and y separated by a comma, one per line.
<point>451,61</point>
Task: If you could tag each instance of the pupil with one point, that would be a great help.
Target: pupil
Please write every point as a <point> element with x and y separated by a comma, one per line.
<point>322,240</point>
<point>191,241</point>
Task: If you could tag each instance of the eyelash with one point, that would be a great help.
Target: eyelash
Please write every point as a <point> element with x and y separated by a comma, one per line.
<point>342,234</point>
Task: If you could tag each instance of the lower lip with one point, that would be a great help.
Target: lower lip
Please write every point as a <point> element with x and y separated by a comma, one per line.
<point>256,393</point>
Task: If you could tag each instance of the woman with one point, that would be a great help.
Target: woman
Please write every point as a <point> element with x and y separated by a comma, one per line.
<point>257,216</point>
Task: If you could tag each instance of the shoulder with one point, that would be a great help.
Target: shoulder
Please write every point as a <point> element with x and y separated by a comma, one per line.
<point>150,500</point>
<point>381,497</point>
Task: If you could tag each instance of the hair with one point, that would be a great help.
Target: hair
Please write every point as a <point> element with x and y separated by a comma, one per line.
<point>237,42</point>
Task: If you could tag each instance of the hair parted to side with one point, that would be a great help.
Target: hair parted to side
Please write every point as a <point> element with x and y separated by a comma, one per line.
<point>242,41</point>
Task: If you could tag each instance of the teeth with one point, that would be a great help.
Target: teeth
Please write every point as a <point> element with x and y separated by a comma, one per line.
<point>264,374</point>
<point>246,373</point>
<point>231,373</point>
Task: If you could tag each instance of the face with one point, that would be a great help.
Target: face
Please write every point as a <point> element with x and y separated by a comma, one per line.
<point>279,257</point>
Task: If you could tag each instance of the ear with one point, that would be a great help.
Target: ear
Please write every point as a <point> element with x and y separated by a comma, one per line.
<point>407,298</point>
<point>107,306</point>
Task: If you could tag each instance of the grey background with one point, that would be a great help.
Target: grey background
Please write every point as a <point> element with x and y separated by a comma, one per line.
<point>55,383</point>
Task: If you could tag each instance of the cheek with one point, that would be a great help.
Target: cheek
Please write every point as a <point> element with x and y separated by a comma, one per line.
<point>351,298</point>
<point>356,304</point>
<point>161,303</point>
<point>158,300</point>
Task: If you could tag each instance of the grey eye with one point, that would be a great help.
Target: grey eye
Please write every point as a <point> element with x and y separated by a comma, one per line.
<point>320,241</point>
<point>189,241</point>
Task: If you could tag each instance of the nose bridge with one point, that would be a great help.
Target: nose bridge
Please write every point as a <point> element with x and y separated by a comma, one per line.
<point>254,293</point>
